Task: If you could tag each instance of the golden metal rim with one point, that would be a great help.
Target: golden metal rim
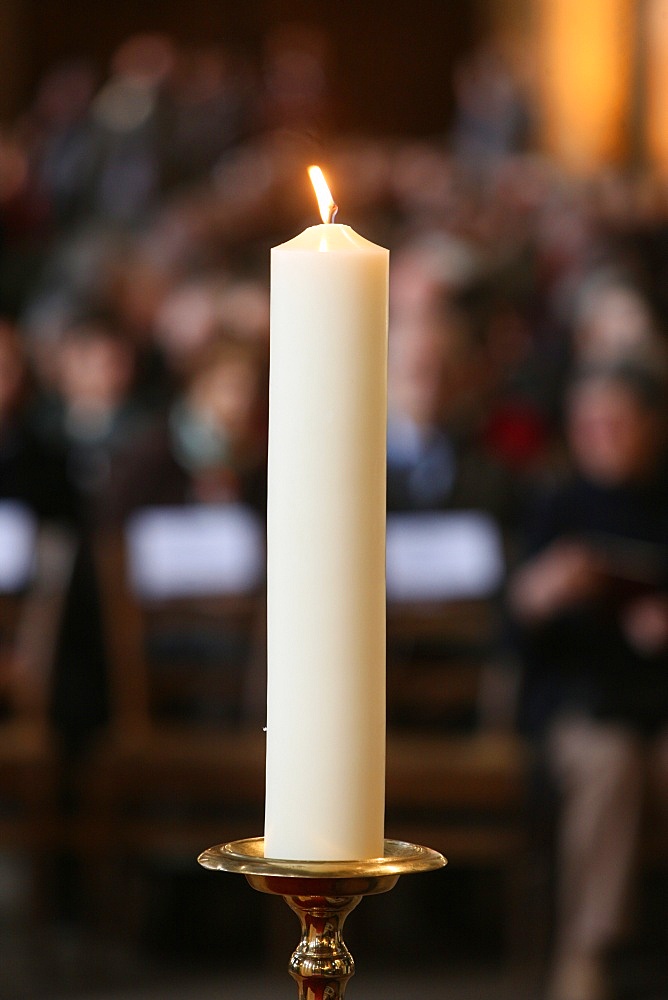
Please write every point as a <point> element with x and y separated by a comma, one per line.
<point>247,858</point>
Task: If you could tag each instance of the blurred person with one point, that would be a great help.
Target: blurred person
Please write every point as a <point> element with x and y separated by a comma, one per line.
<point>76,278</point>
<point>209,447</point>
<point>89,414</point>
<point>243,309</point>
<point>186,322</point>
<point>59,139</point>
<point>646,232</point>
<point>29,472</point>
<point>613,320</point>
<point>35,473</point>
<point>25,224</point>
<point>209,99</point>
<point>593,310</point>
<point>493,113</point>
<point>442,489</point>
<point>429,264</point>
<point>203,459</point>
<point>361,166</point>
<point>517,425</point>
<point>93,412</point>
<point>296,93</point>
<point>434,376</point>
<point>128,118</point>
<point>261,192</point>
<point>196,310</point>
<point>590,603</point>
<point>565,243</point>
<point>139,280</point>
<point>423,186</point>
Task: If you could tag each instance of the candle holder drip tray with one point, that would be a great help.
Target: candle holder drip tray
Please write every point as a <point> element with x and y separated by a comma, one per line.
<point>322,894</point>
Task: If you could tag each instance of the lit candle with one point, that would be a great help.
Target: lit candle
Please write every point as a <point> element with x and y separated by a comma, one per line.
<point>326,545</point>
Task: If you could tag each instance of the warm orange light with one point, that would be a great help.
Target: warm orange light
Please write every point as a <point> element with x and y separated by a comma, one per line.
<point>326,203</point>
<point>585,65</point>
<point>655,13</point>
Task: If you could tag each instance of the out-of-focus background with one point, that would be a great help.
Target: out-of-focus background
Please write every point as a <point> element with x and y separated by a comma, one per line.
<point>513,155</point>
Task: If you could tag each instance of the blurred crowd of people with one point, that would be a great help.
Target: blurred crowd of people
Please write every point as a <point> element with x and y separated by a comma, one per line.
<point>526,374</point>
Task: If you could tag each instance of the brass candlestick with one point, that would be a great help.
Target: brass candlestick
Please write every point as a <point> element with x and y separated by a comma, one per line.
<point>322,894</point>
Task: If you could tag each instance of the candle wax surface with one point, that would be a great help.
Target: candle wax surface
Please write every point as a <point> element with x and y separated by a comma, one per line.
<point>326,547</point>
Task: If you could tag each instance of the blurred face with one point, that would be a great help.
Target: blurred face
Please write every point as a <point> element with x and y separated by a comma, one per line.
<point>433,366</point>
<point>95,372</point>
<point>226,396</point>
<point>244,308</point>
<point>185,323</point>
<point>416,375</point>
<point>613,437</point>
<point>616,320</point>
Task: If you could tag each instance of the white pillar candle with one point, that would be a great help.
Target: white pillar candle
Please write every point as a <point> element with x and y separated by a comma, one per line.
<point>326,547</point>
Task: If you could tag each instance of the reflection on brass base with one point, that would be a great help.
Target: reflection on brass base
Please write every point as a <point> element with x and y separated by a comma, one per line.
<point>322,894</point>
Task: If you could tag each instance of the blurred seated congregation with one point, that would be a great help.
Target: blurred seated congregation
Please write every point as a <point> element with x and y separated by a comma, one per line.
<point>516,165</point>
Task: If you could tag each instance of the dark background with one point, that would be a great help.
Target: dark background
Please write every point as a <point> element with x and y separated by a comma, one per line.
<point>390,62</point>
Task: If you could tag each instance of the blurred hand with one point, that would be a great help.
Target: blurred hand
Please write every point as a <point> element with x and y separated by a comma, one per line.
<point>565,574</point>
<point>645,624</point>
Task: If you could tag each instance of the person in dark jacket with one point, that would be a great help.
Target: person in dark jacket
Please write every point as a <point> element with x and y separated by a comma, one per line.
<point>30,472</point>
<point>590,603</point>
<point>208,447</point>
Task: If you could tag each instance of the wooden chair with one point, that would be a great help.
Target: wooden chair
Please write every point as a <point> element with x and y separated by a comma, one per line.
<point>442,656</point>
<point>180,765</point>
<point>453,752</point>
<point>457,771</point>
<point>30,754</point>
<point>158,785</point>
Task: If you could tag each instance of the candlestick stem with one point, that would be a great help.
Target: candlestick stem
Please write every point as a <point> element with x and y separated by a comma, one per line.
<point>322,894</point>
<point>322,965</point>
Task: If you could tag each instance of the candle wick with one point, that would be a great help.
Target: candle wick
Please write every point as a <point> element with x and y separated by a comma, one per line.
<point>331,215</point>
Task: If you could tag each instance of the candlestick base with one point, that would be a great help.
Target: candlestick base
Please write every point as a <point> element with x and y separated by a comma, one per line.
<point>322,894</point>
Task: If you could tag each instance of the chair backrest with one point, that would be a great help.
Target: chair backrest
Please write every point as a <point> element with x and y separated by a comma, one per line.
<point>195,551</point>
<point>35,570</point>
<point>182,590</point>
<point>437,557</point>
<point>18,536</point>
<point>444,574</point>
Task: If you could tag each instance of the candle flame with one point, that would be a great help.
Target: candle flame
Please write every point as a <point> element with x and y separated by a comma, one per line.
<point>327,205</point>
